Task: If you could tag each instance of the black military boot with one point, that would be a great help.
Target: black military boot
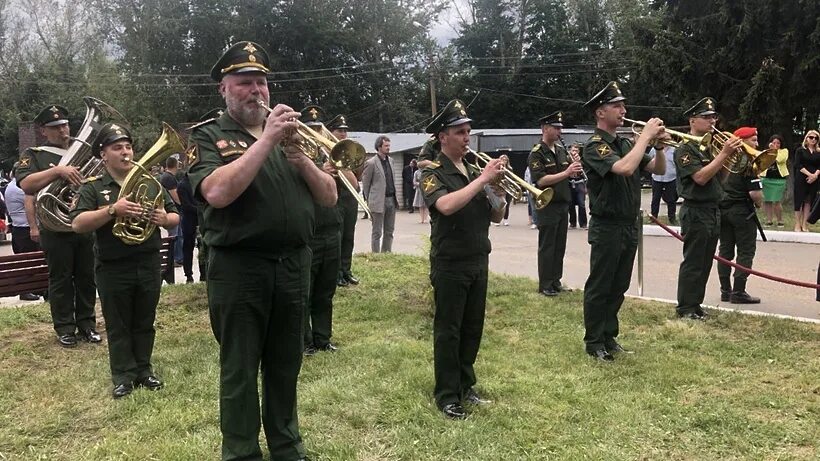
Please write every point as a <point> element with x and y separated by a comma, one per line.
<point>739,296</point>
<point>725,289</point>
<point>203,272</point>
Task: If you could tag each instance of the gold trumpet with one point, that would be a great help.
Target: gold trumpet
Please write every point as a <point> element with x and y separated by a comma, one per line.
<point>678,137</point>
<point>513,184</point>
<point>744,157</point>
<point>346,154</point>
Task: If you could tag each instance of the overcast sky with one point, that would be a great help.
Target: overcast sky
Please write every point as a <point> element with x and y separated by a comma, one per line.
<point>445,29</point>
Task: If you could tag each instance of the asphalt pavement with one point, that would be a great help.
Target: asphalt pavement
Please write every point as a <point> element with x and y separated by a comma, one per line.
<point>515,246</point>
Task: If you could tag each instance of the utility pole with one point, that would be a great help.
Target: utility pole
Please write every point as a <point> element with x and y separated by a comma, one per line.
<point>431,65</point>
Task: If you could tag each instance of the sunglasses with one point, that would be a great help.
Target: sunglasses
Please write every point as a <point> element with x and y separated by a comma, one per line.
<point>811,137</point>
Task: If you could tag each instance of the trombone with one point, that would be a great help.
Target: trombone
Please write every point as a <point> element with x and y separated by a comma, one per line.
<point>513,184</point>
<point>678,137</point>
<point>346,154</point>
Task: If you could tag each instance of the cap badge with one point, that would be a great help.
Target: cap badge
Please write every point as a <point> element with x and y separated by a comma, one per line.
<point>54,109</point>
<point>314,113</point>
<point>250,48</point>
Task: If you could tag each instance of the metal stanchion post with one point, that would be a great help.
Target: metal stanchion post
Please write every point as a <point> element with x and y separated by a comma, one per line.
<point>640,253</point>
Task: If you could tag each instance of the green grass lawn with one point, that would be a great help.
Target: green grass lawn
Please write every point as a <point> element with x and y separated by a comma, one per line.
<point>736,387</point>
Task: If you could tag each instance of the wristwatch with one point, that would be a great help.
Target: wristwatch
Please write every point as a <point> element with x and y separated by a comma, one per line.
<point>111,211</point>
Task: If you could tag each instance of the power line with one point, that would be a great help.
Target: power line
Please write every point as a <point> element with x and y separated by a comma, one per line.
<point>573,101</point>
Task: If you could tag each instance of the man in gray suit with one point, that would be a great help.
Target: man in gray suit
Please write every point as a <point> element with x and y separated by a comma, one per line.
<point>380,190</point>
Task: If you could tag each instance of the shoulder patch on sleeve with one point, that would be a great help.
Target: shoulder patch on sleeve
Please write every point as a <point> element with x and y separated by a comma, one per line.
<point>429,185</point>
<point>685,159</point>
<point>25,161</point>
<point>603,150</point>
<point>535,165</point>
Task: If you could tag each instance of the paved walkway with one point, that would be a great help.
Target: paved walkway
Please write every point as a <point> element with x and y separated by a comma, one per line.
<point>514,252</point>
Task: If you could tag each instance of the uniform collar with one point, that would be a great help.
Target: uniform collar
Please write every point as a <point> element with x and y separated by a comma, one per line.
<point>608,138</point>
<point>106,179</point>
<point>227,123</point>
<point>448,167</point>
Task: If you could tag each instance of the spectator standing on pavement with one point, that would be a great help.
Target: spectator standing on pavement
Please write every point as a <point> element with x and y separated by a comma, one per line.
<point>20,209</point>
<point>408,183</point>
<point>774,182</point>
<point>806,172</point>
<point>577,193</point>
<point>664,187</point>
<point>168,179</point>
<point>380,191</point>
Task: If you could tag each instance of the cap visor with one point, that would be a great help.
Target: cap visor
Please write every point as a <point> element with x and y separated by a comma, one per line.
<point>459,121</point>
<point>616,99</point>
<point>56,122</point>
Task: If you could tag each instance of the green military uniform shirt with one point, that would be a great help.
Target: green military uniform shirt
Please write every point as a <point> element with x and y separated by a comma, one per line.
<point>36,159</point>
<point>737,188</point>
<point>103,191</point>
<point>460,240</point>
<point>688,161</point>
<point>328,219</point>
<point>611,196</point>
<point>430,150</point>
<point>543,162</point>
<point>274,214</point>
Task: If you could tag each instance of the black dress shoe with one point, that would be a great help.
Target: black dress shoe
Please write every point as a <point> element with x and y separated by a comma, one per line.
<point>341,281</point>
<point>725,294</point>
<point>189,279</point>
<point>617,348</point>
<point>121,390</point>
<point>29,297</point>
<point>454,411</point>
<point>472,397</point>
<point>351,279</point>
<point>310,351</point>
<point>329,347</point>
<point>549,292</point>
<point>702,313</point>
<point>601,355</point>
<point>90,335</point>
<point>149,382</point>
<point>67,340</point>
<point>741,297</point>
<point>561,288</point>
<point>692,316</point>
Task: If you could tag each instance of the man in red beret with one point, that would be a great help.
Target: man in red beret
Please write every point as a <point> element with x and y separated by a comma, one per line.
<point>743,194</point>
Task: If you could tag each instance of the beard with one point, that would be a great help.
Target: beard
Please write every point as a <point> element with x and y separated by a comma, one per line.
<point>244,113</point>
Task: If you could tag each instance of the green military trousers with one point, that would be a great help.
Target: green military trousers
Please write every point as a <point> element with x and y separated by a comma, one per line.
<point>71,288</point>
<point>129,292</point>
<point>552,245</point>
<point>349,211</point>
<point>700,228</point>
<point>736,231</point>
<point>611,256</point>
<point>256,304</point>
<point>324,271</point>
<point>460,296</point>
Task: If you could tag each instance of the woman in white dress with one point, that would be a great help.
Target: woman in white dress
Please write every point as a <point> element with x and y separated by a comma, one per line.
<point>418,200</point>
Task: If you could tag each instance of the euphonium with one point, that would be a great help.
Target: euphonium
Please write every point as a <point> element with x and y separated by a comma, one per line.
<point>745,157</point>
<point>141,187</point>
<point>54,201</point>
<point>513,184</point>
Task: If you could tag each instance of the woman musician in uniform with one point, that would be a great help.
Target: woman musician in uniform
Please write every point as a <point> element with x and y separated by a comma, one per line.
<point>128,275</point>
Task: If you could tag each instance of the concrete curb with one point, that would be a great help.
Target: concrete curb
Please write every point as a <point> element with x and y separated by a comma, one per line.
<point>773,236</point>
<point>727,309</point>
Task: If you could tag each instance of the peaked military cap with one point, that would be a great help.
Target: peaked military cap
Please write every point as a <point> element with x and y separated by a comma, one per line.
<point>555,119</point>
<point>109,134</point>
<point>312,115</point>
<point>338,123</point>
<point>212,114</point>
<point>705,106</point>
<point>454,113</point>
<point>241,57</point>
<point>52,115</point>
<point>610,93</point>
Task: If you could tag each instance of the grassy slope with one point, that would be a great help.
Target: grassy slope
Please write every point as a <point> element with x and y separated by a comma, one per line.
<point>736,387</point>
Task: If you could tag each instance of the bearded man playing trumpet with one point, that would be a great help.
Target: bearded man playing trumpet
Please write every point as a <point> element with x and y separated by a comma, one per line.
<point>128,275</point>
<point>699,186</point>
<point>258,220</point>
<point>613,165</point>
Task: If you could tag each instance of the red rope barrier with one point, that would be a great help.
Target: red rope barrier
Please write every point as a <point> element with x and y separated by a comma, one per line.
<point>725,261</point>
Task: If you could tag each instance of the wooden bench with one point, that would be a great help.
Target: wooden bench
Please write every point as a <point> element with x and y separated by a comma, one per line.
<point>28,272</point>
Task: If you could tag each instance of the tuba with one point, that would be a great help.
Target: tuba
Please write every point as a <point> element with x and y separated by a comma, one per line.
<point>139,187</point>
<point>55,200</point>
